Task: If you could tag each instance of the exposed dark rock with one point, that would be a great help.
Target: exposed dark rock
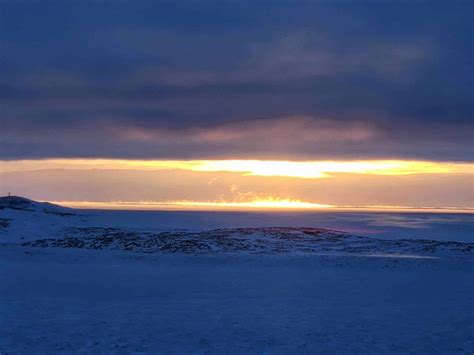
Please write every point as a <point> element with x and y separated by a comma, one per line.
<point>249,240</point>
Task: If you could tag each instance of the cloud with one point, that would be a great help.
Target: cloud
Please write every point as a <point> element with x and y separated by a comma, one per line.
<point>287,131</point>
<point>305,81</point>
<point>283,57</point>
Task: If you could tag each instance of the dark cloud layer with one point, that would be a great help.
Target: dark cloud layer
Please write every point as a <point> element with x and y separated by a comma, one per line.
<point>270,79</point>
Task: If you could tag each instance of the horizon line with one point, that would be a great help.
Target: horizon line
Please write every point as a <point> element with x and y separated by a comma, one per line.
<point>250,206</point>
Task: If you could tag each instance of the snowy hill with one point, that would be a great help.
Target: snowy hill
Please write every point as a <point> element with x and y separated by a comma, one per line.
<point>23,219</point>
<point>24,204</point>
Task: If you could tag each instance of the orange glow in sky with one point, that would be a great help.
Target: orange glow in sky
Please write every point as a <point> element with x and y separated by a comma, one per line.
<point>271,203</point>
<point>296,169</point>
<point>241,184</point>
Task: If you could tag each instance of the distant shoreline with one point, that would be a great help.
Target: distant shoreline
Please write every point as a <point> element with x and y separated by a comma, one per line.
<point>157,206</point>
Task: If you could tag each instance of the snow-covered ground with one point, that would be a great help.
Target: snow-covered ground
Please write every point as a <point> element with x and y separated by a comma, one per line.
<point>71,300</point>
<point>73,281</point>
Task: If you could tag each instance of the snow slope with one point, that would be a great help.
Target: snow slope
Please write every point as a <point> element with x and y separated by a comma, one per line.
<point>25,204</point>
<point>22,219</point>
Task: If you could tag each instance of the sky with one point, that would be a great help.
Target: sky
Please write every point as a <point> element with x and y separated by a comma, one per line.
<point>341,103</point>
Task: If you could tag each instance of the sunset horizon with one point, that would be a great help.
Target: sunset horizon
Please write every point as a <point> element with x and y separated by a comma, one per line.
<point>245,184</point>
